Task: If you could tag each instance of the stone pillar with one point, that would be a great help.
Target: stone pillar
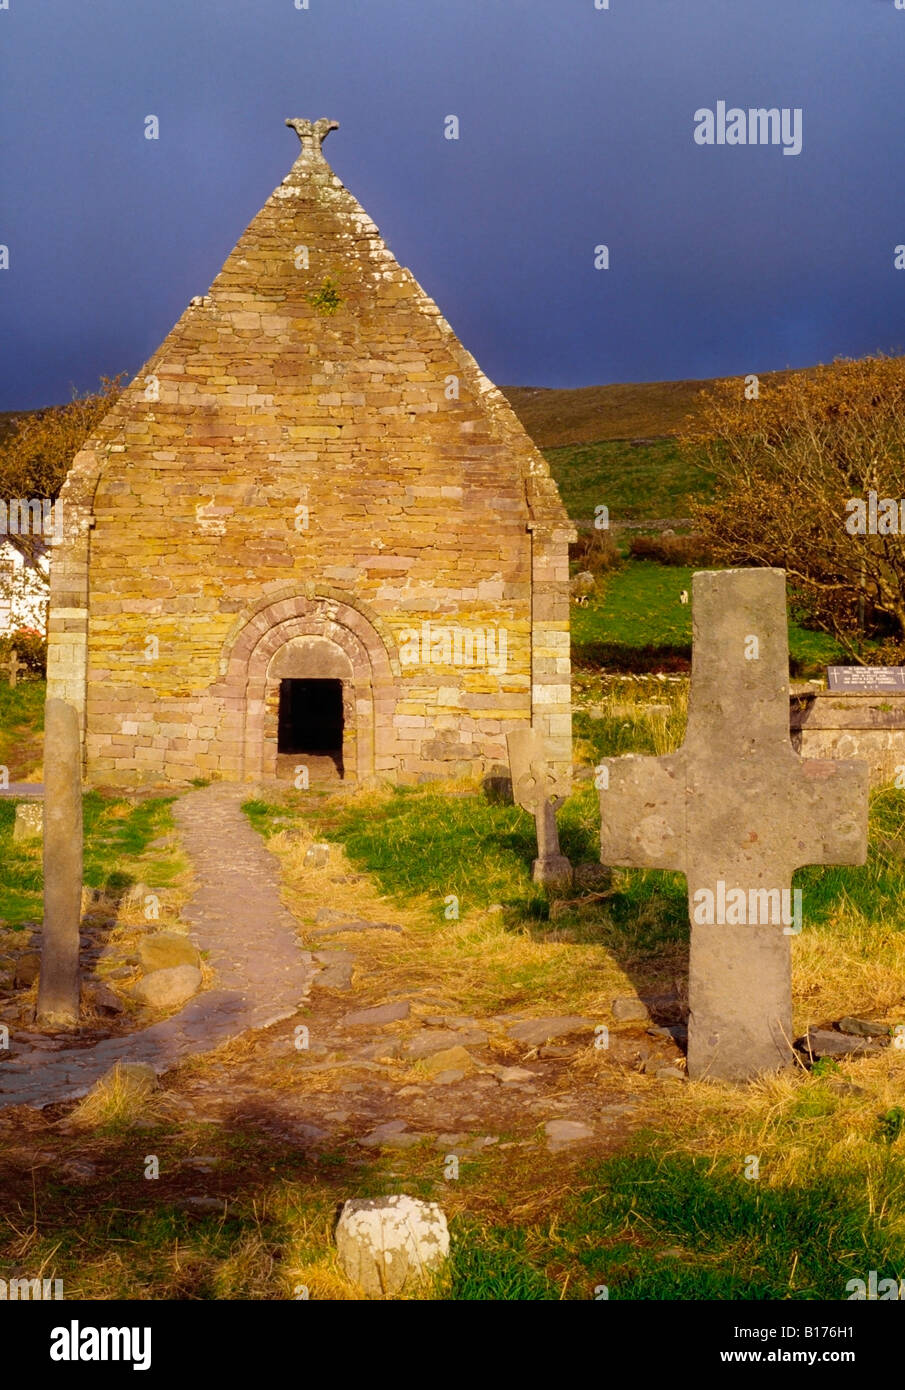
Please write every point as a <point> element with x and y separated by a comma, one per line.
<point>67,616</point>
<point>551,689</point>
<point>58,991</point>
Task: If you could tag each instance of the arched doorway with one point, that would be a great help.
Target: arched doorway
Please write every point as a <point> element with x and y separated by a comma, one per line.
<point>312,702</point>
<point>301,671</point>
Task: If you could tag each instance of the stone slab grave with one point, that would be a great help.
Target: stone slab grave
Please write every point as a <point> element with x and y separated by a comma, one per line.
<point>853,721</point>
<point>737,811</point>
<point>538,789</point>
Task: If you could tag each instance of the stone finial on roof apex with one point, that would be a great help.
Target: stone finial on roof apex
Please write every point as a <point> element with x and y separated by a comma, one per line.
<point>312,134</point>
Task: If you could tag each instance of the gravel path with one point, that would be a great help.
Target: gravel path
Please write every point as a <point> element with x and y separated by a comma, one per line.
<point>235,914</point>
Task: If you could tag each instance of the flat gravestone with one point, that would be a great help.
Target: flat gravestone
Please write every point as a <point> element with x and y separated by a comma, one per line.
<point>29,823</point>
<point>866,678</point>
<point>737,811</point>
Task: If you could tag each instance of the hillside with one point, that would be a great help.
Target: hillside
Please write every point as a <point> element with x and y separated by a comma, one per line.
<point>627,410</point>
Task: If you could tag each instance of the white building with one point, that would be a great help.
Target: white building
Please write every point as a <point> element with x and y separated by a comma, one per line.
<point>24,586</point>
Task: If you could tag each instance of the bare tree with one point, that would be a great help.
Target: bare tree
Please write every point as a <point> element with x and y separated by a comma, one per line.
<point>793,460</point>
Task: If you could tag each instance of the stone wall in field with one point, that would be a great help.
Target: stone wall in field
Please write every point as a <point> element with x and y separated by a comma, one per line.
<point>310,475</point>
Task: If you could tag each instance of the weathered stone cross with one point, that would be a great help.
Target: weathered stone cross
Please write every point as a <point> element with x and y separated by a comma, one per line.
<point>736,809</point>
<point>536,789</point>
<point>14,666</point>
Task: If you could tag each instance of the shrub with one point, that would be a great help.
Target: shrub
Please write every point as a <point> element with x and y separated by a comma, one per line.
<point>694,550</point>
<point>792,467</point>
<point>596,552</point>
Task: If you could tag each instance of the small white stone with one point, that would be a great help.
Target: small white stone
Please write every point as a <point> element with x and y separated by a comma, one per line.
<point>388,1244</point>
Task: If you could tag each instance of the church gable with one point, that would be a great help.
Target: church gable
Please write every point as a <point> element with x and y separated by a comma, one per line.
<point>310,443</point>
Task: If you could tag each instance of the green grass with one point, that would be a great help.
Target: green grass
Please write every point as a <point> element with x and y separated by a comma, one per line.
<point>653,1226</point>
<point>874,890</point>
<point>21,721</point>
<point>415,847</point>
<point>494,1267</point>
<point>117,835</point>
<point>734,1238</point>
<point>639,624</point>
<point>636,482</point>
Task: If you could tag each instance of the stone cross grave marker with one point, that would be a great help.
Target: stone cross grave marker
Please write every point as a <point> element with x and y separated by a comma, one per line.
<point>536,789</point>
<point>14,666</point>
<point>737,811</point>
<point>58,988</point>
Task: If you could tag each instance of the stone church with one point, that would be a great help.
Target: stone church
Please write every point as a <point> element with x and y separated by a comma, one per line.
<point>310,532</point>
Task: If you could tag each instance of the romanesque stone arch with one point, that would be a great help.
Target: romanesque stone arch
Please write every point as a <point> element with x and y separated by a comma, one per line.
<point>316,636</point>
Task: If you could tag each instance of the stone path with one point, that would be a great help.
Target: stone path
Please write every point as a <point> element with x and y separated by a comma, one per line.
<point>262,974</point>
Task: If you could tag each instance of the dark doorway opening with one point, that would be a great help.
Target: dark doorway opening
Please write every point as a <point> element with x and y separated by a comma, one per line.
<point>311,719</point>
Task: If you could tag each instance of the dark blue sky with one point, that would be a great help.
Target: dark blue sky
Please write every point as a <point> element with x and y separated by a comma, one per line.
<point>577,129</point>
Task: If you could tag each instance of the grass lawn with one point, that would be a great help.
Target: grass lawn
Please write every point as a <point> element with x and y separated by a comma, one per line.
<point>116,855</point>
<point>636,482</point>
<point>638,623</point>
<point>21,723</point>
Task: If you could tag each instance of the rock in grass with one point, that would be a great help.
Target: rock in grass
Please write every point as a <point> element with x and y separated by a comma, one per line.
<point>593,877</point>
<point>514,1076</point>
<point>432,1040</point>
<point>123,1086</point>
<point>102,998</point>
<point>138,1074</point>
<point>450,1059</point>
<point>121,1097</point>
<point>382,1132</point>
<point>629,1009</point>
<point>164,950</point>
<point>862,1027</point>
<point>167,989</point>
<point>562,1132</point>
<point>376,1017</point>
<point>536,1031</point>
<point>27,969</point>
<point>388,1245</point>
<point>334,977</point>
<point>677,1032</point>
<point>824,1042</point>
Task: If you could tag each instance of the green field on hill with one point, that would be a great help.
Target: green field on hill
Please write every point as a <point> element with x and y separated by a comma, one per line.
<point>638,623</point>
<point>636,482</point>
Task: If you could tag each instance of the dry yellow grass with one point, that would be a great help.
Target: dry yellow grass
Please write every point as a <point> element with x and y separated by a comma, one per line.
<point>479,963</point>
<point>118,1100</point>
